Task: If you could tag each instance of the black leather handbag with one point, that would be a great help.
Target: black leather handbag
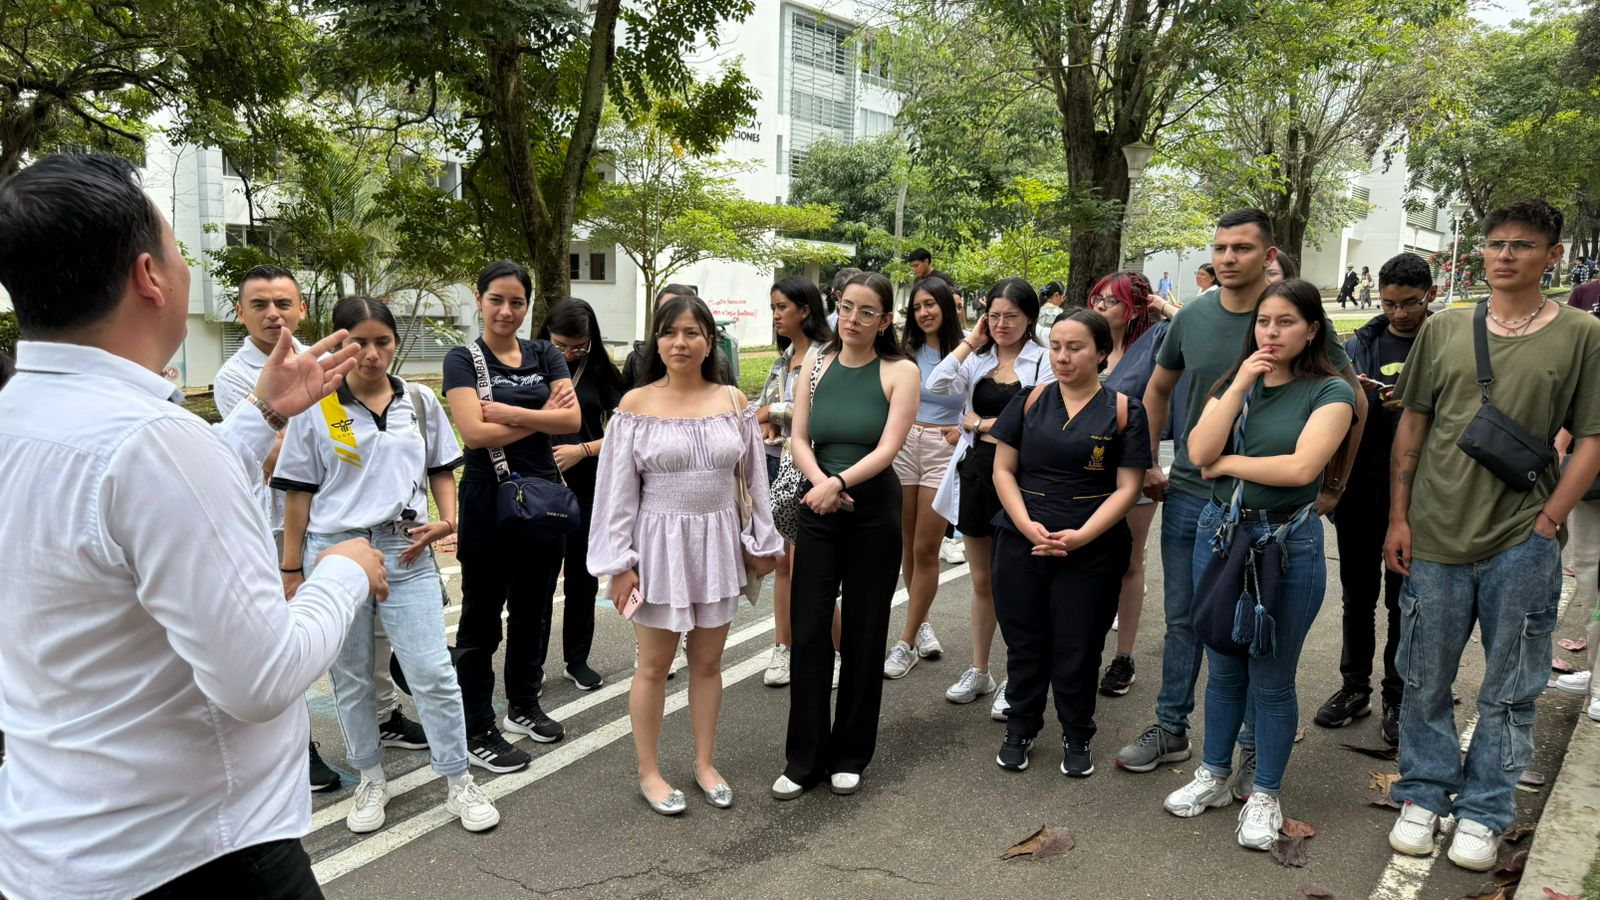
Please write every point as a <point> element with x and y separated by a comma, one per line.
<point>530,507</point>
<point>1493,439</point>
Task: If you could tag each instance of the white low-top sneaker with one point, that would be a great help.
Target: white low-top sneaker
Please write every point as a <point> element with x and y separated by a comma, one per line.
<point>901,659</point>
<point>1259,822</point>
<point>1413,831</point>
<point>784,789</point>
<point>777,667</point>
<point>838,661</point>
<point>953,551</point>
<point>1574,683</point>
<point>1593,711</point>
<point>366,808</point>
<point>1000,709</point>
<point>845,782</point>
<point>972,684</point>
<point>471,805</point>
<point>928,646</point>
<point>1207,791</point>
<point>1475,847</point>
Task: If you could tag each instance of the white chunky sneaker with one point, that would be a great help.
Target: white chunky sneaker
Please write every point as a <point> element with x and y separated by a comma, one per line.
<point>1475,847</point>
<point>844,782</point>
<point>928,646</point>
<point>972,684</point>
<point>1413,831</point>
<point>953,551</point>
<point>366,808</point>
<point>1000,710</point>
<point>1593,711</point>
<point>1575,683</point>
<point>1259,822</point>
<point>901,659</point>
<point>1207,791</point>
<point>472,806</point>
<point>778,667</point>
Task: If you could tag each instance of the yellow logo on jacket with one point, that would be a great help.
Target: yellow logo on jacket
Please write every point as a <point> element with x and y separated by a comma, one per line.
<point>1097,459</point>
<point>339,430</point>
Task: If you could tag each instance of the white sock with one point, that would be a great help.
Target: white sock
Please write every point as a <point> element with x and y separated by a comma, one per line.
<point>456,780</point>
<point>374,775</point>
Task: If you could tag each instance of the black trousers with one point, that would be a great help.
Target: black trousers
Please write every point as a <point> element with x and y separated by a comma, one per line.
<point>1361,521</point>
<point>580,588</point>
<point>859,550</point>
<point>500,572</point>
<point>277,870</point>
<point>1054,613</point>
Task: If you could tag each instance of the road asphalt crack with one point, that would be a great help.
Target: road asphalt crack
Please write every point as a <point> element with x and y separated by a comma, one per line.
<point>625,876</point>
<point>858,870</point>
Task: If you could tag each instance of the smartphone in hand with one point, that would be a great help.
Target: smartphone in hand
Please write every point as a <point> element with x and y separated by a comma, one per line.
<point>635,600</point>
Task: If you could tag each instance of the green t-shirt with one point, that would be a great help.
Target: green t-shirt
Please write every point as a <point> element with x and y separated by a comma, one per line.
<point>1204,342</point>
<point>1277,416</point>
<point>1460,512</point>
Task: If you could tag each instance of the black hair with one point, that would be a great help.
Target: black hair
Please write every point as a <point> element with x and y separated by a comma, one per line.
<point>504,268</point>
<point>1050,290</point>
<point>886,345</point>
<point>675,305</point>
<point>1286,265</point>
<point>674,290</point>
<point>803,292</point>
<point>920,254</point>
<point>575,318</point>
<point>840,279</point>
<point>358,308</point>
<point>1531,211</point>
<point>1315,360</point>
<point>1249,216</point>
<point>1210,270</point>
<point>1020,293</point>
<point>1365,270</point>
<point>72,226</point>
<point>949,317</point>
<point>1099,329</point>
<point>268,272</point>
<point>1405,270</point>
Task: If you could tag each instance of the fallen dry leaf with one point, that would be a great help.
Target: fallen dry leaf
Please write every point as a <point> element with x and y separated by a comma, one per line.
<point>1382,782</point>
<point>1518,833</point>
<point>1530,777</point>
<point>1553,894</point>
<point>1389,753</point>
<point>1560,665</point>
<point>1297,828</point>
<point>1300,735</point>
<point>1314,892</point>
<point>1573,644</point>
<point>1042,844</point>
<point>1290,852</point>
<point>1526,789</point>
<point>1510,871</point>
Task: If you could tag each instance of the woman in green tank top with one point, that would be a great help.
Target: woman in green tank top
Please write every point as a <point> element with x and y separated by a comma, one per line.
<point>849,536</point>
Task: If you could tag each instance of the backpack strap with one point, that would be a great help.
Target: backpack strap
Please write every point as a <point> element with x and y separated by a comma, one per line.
<point>1033,397</point>
<point>415,390</point>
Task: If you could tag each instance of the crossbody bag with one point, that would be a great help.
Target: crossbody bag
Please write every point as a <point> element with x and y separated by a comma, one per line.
<point>1493,439</point>
<point>530,507</point>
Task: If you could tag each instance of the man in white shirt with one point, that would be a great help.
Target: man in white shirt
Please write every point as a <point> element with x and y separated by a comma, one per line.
<point>151,674</point>
<point>269,306</point>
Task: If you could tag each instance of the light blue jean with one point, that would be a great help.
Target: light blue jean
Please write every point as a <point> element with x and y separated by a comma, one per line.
<point>1180,652</point>
<point>413,616</point>
<point>1237,683</point>
<point>1513,597</point>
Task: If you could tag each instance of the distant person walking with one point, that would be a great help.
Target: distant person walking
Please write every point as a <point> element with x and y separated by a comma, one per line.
<point>1348,288</point>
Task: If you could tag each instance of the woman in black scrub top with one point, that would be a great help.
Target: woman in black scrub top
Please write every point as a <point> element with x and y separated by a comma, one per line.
<point>1069,466</point>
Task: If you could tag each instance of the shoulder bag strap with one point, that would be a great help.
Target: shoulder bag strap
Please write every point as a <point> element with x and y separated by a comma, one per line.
<point>422,426</point>
<point>1480,348</point>
<point>497,455</point>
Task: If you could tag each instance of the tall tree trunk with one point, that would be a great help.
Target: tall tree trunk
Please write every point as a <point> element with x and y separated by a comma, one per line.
<point>509,101</point>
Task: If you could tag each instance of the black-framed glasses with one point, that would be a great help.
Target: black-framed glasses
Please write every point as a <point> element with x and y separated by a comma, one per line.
<point>1104,302</point>
<point>1411,305</point>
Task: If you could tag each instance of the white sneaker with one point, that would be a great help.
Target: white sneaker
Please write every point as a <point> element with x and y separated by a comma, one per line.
<point>928,646</point>
<point>1259,822</point>
<point>953,551</point>
<point>366,808</point>
<point>837,661</point>
<point>472,806</point>
<point>784,789</point>
<point>1000,710</point>
<point>845,782</point>
<point>1593,711</point>
<point>1207,791</point>
<point>900,662</point>
<point>1575,683</point>
<point>777,667</point>
<point>972,684</point>
<point>1475,847</point>
<point>1115,621</point>
<point>1413,832</point>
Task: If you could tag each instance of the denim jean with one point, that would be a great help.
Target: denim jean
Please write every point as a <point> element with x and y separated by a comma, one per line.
<point>413,616</point>
<point>1513,597</point>
<point>1180,652</point>
<point>1268,682</point>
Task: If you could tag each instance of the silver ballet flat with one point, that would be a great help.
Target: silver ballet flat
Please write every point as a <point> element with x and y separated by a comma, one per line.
<point>670,805</point>
<point>720,796</point>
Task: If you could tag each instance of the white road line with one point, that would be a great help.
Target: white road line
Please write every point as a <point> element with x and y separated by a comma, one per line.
<point>391,839</point>
<point>1402,879</point>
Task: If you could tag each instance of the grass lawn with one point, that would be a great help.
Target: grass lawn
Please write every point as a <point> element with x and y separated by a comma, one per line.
<point>1591,883</point>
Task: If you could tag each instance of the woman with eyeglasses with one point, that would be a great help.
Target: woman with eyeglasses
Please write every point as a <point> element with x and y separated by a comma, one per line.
<point>574,330</point>
<point>998,360</point>
<point>933,331</point>
<point>846,435</point>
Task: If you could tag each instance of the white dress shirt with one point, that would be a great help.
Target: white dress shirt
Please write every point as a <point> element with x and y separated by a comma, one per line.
<point>151,674</point>
<point>235,380</point>
<point>954,376</point>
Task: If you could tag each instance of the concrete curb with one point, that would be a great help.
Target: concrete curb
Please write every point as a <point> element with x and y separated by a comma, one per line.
<point>1568,838</point>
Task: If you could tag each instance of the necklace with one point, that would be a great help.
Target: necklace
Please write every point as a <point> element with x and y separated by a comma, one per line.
<point>1521,325</point>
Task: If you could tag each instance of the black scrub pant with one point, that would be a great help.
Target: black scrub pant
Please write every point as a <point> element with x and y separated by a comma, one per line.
<point>859,550</point>
<point>1054,613</point>
<point>1361,521</point>
<point>579,587</point>
<point>276,870</point>
<point>500,571</point>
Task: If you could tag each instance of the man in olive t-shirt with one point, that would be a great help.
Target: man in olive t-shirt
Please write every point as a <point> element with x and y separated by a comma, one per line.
<point>1476,550</point>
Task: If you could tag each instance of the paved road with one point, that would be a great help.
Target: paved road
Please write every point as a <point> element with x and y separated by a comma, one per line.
<point>933,816</point>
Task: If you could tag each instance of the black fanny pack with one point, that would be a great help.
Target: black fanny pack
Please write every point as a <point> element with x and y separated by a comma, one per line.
<point>1493,439</point>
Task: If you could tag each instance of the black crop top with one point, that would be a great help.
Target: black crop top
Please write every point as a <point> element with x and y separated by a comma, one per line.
<point>989,397</point>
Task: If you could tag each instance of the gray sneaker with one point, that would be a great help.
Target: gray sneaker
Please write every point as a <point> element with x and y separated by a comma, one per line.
<point>972,684</point>
<point>1154,747</point>
<point>900,660</point>
<point>928,646</point>
<point>1244,776</point>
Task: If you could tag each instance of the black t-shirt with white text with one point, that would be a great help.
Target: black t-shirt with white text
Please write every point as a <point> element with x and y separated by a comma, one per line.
<point>527,386</point>
<point>1377,438</point>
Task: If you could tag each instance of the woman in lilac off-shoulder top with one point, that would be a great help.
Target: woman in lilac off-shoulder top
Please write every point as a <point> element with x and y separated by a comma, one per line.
<point>666,521</point>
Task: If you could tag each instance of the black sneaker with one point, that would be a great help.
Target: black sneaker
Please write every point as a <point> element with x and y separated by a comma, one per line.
<point>1119,676</point>
<point>1075,761</point>
<point>1244,777</point>
<point>1014,752</point>
<point>1344,707</point>
<point>584,677</point>
<point>493,752</point>
<point>532,722</point>
<point>323,778</point>
<point>1391,725</point>
<point>399,731</point>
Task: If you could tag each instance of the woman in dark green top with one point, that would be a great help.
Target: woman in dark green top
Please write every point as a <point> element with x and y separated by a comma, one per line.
<point>1299,408</point>
<point>849,535</point>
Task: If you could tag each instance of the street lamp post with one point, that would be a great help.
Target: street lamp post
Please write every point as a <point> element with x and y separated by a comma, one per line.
<point>1138,156</point>
<point>1456,209</point>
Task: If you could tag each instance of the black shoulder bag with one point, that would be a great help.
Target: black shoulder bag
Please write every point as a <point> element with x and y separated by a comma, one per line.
<point>529,506</point>
<point>1493,439</point>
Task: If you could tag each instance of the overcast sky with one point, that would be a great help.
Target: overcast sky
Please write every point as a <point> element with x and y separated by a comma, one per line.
<point>1500,12</point>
